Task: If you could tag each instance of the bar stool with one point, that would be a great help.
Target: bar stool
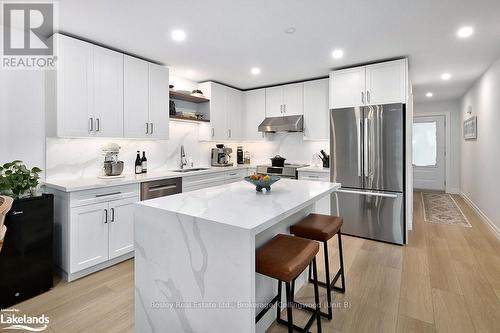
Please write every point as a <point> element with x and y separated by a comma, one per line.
<point>284,258</point>
<point>322,228</point>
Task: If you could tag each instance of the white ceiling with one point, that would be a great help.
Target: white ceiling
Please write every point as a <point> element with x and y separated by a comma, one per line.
<point>225,38</point>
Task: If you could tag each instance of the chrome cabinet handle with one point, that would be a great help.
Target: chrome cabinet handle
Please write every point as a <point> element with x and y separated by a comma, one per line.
<point>106,194</point>
<point>105,216</point>
<point>213,132</point>
<point>281,108</point>
<point>152,129</point>
<point>91,124</point>
<point>313,176</point>
<point>112,215</point>
<point>97,125</point>
<point>284,108</point>
<point>363,97</point>
<point>368,96</point>
<point>147,128</point>
<point>229,133</point>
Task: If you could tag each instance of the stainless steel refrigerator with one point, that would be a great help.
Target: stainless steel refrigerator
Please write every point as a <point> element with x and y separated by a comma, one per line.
<point>367,149</point>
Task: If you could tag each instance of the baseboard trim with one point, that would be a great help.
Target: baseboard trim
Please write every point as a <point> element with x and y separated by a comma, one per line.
<point>482,216</point>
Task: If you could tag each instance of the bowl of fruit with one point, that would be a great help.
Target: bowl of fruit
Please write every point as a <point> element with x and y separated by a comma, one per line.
<point>262,181</point>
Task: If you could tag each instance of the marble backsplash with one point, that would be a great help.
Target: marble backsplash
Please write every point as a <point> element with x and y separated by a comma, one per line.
<point>82,158</point>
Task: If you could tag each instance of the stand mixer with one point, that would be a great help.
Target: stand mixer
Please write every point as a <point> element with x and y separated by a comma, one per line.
<point>112,166</point>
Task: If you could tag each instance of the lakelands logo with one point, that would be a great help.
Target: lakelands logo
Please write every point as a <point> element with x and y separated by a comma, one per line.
<point>13,321</point>
<point>26,35</point>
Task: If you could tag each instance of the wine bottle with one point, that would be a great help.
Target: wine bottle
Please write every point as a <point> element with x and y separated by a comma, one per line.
<point>144,162</point>
<point>138,163</point>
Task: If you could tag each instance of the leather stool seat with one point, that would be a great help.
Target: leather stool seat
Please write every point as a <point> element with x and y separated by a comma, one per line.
<point>284,257</point>
<point>318,227</point>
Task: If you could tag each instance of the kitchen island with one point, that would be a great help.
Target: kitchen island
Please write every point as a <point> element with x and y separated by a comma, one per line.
<point>195,254</point>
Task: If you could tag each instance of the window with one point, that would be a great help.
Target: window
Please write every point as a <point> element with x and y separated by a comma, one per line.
<point>425,144</point>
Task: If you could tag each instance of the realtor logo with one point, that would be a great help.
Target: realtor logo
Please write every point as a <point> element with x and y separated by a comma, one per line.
<point>27,30</point>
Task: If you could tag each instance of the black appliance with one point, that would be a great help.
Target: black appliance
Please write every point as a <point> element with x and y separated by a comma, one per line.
<point>239,155</point>
<point>26,260</point>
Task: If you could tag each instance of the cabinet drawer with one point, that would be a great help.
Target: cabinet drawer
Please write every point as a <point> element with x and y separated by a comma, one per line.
<point>198,180</point>
<point>235,175</point>
<point>315,176</point>
<point>88,197</point>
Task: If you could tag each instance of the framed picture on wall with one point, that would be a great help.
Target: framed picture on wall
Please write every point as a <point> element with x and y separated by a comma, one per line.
<point>470,128</point>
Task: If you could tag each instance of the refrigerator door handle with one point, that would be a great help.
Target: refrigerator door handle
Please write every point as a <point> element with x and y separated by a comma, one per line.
<point>373,194</point>
<point>365,148</point>
<point>360,162</point>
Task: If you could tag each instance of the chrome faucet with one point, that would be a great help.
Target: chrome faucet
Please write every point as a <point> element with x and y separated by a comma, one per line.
<point>183,158</point>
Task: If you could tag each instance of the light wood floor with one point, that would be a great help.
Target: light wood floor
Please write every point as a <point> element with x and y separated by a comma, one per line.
<point>447,279</point>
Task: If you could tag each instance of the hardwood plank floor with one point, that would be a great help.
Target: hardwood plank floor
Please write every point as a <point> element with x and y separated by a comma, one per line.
<point>447,279</point>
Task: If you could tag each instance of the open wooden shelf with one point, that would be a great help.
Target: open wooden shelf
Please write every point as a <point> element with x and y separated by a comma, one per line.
<point>187,98</point>
<point>181,118</point>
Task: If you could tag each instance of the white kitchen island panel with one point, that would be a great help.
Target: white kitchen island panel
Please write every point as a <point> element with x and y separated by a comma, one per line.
<point>195,255</point>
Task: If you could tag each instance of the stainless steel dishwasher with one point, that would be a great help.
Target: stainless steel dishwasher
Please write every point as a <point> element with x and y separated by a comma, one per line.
<point>160,188</point>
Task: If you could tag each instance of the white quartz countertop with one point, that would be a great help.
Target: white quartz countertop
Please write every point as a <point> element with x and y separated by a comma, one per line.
<point>71,185</point>
<point>239,205</point>
<point>315,169</point>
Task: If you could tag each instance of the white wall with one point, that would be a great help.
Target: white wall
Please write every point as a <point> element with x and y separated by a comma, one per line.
<point>22,117</point>
<point>453,107</point>
<point>480,159</point>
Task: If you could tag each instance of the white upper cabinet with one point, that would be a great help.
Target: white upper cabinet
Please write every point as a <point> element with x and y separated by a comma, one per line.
<point>347,87</point>
<point>293,99</point>
<point>99,92</point>
<point>286,100</point>
<point>71,89</point>
<point>136,98</point>
<point>108,92</point>
<point>316,110</point>
<point>225,113</point>
<point>386,82</point>
<point>158,102</point>
<point>380,83</point>
<point>234,104</point>
<point>274,102</point>
<point>254,107</point>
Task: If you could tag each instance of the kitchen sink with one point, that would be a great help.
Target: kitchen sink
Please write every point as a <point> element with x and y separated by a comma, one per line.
<point>190,170</point>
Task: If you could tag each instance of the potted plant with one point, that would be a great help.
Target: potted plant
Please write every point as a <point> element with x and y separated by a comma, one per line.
<point>17,181</point>
<point>27,251</point>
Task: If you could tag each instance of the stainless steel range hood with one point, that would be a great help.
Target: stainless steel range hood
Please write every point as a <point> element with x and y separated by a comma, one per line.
<point>282,124</point>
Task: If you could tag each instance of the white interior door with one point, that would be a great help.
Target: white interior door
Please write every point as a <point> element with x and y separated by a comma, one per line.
<point>429,166</point>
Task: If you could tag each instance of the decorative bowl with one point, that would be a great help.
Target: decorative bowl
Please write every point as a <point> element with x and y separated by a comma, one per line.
<point>261,184</point>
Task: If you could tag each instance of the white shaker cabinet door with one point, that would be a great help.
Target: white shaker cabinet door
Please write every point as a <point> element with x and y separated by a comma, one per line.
<point>136,97</point>
<point>75,87</point>
<point>121,227</point>
<point>89,236</point>
<point>293,99</point>
<point>254,112</point>
<point>316,112</point>
<point>218,113</point>
<point>347,88</point>
<point>108,92</point>
<point>274,101</point>
<point>158,102</point>
<point>386,82</point>
<point>234,105</point>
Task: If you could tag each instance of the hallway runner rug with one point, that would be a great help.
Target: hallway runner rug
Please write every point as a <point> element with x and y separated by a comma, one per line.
<point>441,208</point>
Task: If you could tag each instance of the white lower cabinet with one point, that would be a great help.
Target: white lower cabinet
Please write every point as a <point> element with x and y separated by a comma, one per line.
<point>89,236</point>
<point>94,229</point>
<point>322,206</point>
<point>198,182</point>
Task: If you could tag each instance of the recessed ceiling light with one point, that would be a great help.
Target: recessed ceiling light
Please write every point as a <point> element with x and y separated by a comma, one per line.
<point>290,30</point>
<point>337,54</point>
<point>445,76</point>
<point>178,35</point>
<point>429,94</point>
<point>465,32</point>
<point>255,70</point>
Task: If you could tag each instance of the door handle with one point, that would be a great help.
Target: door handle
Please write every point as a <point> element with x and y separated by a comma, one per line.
<point>284,108</point>
<point>161,188</point>
<point>106,194</point>
<point>281,108</point>
<point>360,143</point>
<point>91,125</point>
<point>97,125</point>
<point>372,194</point>
<point>213,132</point>
<point>112,215</point>
<point>229,133</point>
<point>147,128</point>
<point>365,147</point>
<point>105,216</point>
<point>368,96</point>
<point>152,129</point>
<point>363,97</point>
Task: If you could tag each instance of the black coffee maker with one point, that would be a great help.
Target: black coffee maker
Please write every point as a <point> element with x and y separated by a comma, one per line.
<point>239,155</point>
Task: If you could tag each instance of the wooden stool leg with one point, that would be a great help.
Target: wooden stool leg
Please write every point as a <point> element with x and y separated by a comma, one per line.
<point>316,296</point>
<point>289,306</point>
